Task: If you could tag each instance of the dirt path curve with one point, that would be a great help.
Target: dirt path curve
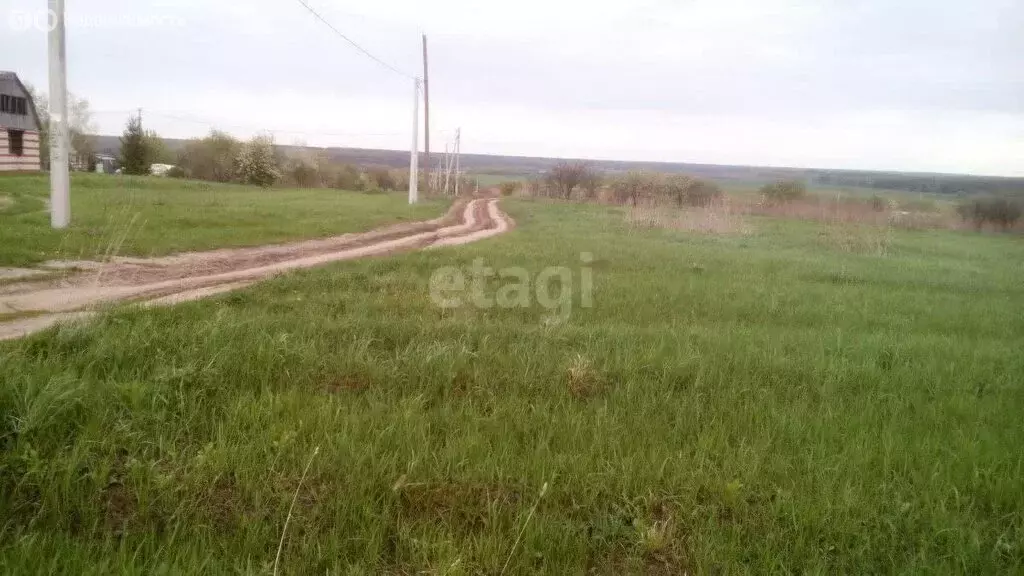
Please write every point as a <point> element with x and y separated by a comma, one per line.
<point>191,276</point>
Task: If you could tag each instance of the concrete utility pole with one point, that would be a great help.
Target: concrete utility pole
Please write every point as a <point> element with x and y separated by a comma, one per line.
<point>426,112</point>
<point>60,178</point>
<point>447,169</point>
<point>458,156</point>
<point>414,154</point>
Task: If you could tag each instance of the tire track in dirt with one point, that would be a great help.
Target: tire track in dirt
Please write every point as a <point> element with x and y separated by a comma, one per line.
<point>180,278</point>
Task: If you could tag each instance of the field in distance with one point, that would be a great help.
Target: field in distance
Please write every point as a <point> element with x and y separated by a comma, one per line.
<point>149,216</point>
<point>763,400</point>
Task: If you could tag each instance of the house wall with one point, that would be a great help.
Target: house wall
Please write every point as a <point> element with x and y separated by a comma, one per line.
<point>9,84</point>
<point>29,162</point>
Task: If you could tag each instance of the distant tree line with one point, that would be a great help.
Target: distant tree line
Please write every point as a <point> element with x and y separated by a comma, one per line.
<point>580,180</point>
<point>952,185</point>
<point>220,157</point>
<point>998,212</point>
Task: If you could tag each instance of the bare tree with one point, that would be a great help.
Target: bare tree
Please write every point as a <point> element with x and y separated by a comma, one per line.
<point>564,177</point>
<point>634,186</point>
<point>80,129</point>
<point>591,182</point>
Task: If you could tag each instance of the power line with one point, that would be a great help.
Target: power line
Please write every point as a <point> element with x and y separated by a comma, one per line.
<point>221,125</point>
<point>353,42</point>
<point>197,120</point>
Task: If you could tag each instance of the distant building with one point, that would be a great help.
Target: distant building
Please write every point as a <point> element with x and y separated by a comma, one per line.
<point>106,163</point>
<point>19,127</point>
<point>160,169</point>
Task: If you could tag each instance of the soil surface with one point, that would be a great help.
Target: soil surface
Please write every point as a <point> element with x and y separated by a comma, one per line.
<point>32,305</point>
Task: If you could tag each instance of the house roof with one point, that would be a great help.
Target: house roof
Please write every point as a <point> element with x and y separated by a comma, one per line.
<point>7,75</point>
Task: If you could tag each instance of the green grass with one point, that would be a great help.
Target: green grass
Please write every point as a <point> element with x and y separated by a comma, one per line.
<point>494,180</point>
<point>738,404</point>
<point>147,216</point>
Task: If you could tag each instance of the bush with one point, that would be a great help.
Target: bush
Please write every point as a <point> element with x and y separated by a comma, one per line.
<point>590,183</point>
<point>175,172</point>
<point>211,158</point>
<point>689,191</point>
<point>564,177</point>
<point>1001,212</point>
<point>303,174</point>
<point>535,186</point>
<point>784,192</point>
<point>399,179</point>
<point>879,203</point>
<point>379,178</point>
<point>256,163</point>
<point>508,188</point>
<point>635,186</point>
<point>347,177</point>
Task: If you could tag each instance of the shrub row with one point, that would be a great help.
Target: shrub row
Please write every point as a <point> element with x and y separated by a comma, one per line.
<point>997,212</point>
<point>219,157</point>
<point>578,179</point>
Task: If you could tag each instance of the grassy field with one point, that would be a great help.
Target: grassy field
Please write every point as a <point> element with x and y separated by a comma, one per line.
<point>493,180</point>
<point>145,216</point>
<point>758,403</point>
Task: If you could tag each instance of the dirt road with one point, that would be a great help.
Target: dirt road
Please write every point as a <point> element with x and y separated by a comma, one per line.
<point>36,305</point>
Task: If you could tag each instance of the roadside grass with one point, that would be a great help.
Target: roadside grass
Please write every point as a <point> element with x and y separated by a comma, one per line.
<point>149,216</point>
<point>759,403</point>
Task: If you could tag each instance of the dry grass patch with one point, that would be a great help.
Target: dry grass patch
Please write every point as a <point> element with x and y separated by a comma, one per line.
<point>462,505</point>
<point>347,383</point>
<point>584,382</point>
<point>857,239</point>
<point>718,218</point>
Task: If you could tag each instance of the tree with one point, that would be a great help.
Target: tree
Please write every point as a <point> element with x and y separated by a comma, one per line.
<point>159,153</point>
<point>42,106</point>
<point>591,182</point>
<point>80,133</point>
<point>347,177</point>
<point>256,164</point>
<point>380,178</point>
<point>1000,212</point>
<point>135,157</point>
<point>784,192</point>
<point>303,174</point>
<point>509,188</point>
<point>686,190</point>
<point>80,129</point>
<point>565,176</point>
<point>211,158</point>
<point>634,186</point>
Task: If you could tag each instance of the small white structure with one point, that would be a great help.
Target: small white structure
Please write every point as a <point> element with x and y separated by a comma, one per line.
<point>160,169</point>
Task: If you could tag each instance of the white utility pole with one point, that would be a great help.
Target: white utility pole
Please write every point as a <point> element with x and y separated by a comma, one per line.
<point>414,155</point>
<point>426,116</point>
<point>60,179</point>
<point>458,155</point>
<point>447,169</point>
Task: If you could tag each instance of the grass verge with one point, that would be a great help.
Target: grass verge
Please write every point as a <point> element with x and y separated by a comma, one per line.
<point>759,403</point>
<point>149,216</point>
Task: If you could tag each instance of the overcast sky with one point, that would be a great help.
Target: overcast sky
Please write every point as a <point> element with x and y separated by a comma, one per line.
<point>919,85</point>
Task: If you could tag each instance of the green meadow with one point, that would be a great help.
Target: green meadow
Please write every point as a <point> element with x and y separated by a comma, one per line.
<point>151,216</point>
<point>771,401</point>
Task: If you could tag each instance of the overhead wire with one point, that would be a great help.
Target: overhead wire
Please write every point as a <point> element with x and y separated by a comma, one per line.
<point>353,42</point>
<point>221,125</point>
